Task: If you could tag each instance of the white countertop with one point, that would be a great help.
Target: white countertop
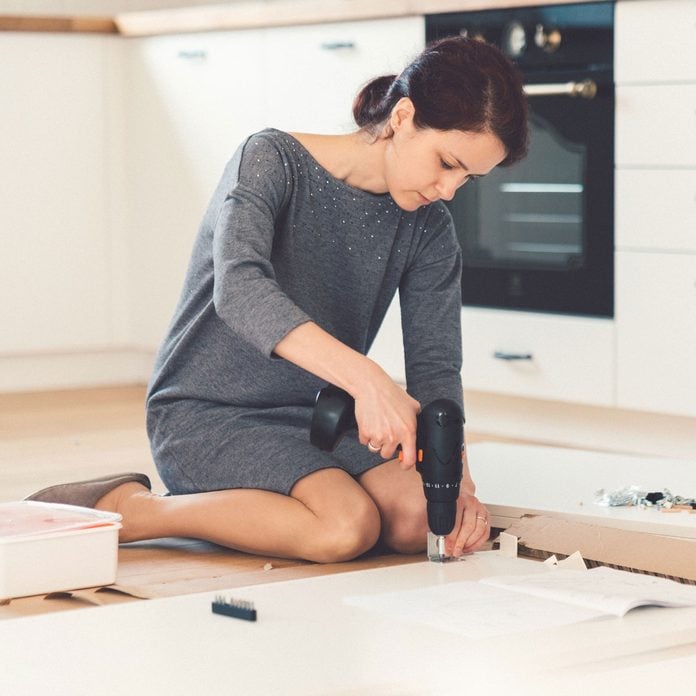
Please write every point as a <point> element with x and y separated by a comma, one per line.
<point>268,13</point>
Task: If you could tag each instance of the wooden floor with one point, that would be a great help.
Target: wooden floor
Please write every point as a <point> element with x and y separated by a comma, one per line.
<point>54,437</point>
<point>51,437</point>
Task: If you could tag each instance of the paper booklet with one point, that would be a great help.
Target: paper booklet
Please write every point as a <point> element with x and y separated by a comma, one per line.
<point>496,606</point>
<point>605,590</point>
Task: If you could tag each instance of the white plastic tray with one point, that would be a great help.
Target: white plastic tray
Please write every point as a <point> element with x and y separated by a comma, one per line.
<point>45,547</point>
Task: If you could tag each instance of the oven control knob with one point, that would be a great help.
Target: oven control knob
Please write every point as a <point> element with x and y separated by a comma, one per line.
<point>549,41</point>
<point>476,34</point>
<point>514,39</point>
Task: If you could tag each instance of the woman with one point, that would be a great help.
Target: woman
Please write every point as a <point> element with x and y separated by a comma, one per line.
<point>304,244</point>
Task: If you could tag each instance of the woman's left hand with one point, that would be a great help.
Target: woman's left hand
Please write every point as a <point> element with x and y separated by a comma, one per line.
<point>472,528</point>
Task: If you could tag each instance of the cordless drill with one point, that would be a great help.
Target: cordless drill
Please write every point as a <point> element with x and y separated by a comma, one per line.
<point>439,440</point>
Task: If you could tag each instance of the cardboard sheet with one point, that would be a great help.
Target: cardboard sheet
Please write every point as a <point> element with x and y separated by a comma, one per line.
<point>673,557</point>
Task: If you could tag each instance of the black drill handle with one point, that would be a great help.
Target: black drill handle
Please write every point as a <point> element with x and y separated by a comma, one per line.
<point>439,442</point>
<point>333,417</point>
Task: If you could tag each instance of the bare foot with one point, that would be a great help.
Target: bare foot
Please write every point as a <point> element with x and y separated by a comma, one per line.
<point>128,500</point>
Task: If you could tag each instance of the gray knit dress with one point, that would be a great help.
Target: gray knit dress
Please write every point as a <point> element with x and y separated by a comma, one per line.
<point>284,242</point>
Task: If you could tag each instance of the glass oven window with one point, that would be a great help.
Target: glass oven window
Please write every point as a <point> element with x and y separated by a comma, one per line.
<point>529,216</point>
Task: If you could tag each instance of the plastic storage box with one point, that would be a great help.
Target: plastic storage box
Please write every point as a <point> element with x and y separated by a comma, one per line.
<point>46,547</point>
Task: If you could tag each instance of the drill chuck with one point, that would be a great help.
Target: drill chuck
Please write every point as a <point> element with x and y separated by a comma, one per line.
<point>441,517</point>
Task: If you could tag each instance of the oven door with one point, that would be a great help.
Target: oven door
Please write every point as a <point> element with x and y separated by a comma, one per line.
<point>539,236</point>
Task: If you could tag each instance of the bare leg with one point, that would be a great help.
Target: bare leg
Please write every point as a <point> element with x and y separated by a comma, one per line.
<point>328,517</point>
<point>398,495</point>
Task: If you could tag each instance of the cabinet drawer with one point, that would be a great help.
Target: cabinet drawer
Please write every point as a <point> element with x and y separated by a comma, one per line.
<point>655,40</point>
<point>656,332</point>
<point>570,358</point>
<point>656,209</point>
<point>656,125</point>
<point>315,71</point>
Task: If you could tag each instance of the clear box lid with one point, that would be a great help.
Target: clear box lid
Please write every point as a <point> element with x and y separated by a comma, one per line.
<point>31,518</point>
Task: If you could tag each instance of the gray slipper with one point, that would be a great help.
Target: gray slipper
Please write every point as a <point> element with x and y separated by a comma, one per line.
<point>86,493</point>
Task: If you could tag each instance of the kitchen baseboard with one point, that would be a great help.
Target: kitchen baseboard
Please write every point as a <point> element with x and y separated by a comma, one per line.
<point>74,370</point>
<point>546,422</point>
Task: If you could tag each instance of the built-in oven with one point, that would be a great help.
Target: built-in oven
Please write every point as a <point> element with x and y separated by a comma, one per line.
<point>539,235</point>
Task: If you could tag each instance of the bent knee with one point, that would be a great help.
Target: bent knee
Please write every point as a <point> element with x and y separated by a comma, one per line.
<point>406,530</point>
<point>345,536</point>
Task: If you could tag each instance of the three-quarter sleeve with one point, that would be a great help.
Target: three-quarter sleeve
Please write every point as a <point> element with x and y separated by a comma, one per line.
<point>246,294</point>
<point>430,297</point>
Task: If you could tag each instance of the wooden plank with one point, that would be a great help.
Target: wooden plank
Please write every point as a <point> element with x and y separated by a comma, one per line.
<point>87,25</point>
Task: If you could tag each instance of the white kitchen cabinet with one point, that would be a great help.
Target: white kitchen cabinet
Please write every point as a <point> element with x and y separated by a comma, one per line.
<point>656,205</point>
<point>314,72</point>
<point>538,355</point>
<point>656,332</point>
<point>191,99</point>
<point>654,41</point>
<point>56,290</point>
<point>522,354</point>
<point>656,209</point>
<point>656,124</point>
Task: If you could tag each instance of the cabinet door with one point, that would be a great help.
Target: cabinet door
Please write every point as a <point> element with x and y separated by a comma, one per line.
<point>656,125</point>
<point>388,347</point>
<point>191,101</point>
<point>655,41</point>
<point>53,200</point>
<point>656,209</point>
<point>538,355</point>
<point>656,332</point>
<point>314,72</point>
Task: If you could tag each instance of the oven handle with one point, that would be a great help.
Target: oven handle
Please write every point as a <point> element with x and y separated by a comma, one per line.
<point>587,89</point>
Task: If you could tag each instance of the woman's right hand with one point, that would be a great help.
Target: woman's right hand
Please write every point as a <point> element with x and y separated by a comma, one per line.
<point>385,413</point>
<point>386,416</point>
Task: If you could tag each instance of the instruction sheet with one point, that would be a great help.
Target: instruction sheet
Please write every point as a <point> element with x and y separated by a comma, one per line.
<point>508,604</point>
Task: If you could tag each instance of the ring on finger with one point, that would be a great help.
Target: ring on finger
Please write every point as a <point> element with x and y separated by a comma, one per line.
<point>373,448</point>
<point>481,517</point>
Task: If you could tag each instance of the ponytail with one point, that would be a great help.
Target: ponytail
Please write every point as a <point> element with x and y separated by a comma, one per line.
<point>456,83</point>
<point>370,105</point>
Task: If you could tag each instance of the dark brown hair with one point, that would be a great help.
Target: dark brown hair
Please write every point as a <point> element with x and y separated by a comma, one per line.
<point>455,84</point>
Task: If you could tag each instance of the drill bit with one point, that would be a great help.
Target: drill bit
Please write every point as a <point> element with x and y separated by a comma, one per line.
<point>436,548</point>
